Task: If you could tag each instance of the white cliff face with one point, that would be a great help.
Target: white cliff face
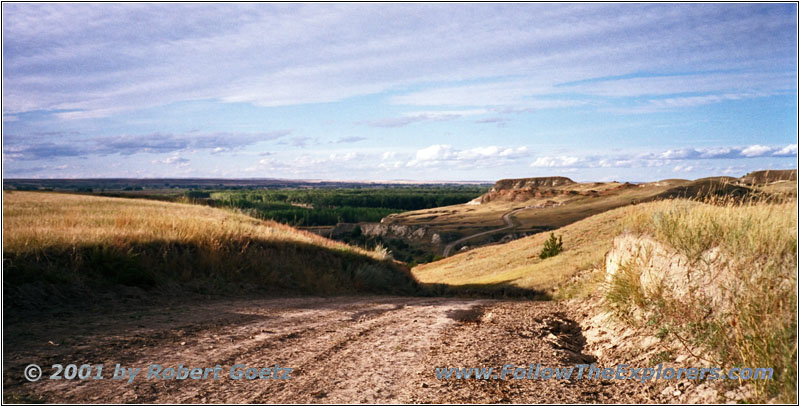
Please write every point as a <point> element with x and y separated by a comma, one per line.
<point>663,270</point>
<point>420,233</point>
<point>476,201</point>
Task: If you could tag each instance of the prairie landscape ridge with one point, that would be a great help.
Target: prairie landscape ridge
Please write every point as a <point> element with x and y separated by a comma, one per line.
<point>367,196</point>
<point>89,250</point>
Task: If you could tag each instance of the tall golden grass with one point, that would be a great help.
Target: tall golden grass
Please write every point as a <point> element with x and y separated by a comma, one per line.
<point>35,220</point>
<point>517,263</point>
<point>757,245</point>
<point>75,239</point>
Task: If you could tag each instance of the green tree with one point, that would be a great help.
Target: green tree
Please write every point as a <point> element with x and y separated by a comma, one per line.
<point>552,247</point>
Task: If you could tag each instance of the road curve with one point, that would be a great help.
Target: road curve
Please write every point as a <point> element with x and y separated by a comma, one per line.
<point>507,219</point>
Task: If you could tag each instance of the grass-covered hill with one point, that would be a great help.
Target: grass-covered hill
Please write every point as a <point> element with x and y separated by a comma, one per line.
<point>734,297</point>
<point>60,243</point>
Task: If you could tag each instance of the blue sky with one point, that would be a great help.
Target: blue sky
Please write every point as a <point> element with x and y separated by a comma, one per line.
<point>628,92</point>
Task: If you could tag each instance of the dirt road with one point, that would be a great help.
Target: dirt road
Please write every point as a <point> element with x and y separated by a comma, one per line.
<point>507,219</point>
<point>342,350</point>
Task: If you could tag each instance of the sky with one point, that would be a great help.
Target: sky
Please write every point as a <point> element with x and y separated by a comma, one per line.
<point>455,92</point>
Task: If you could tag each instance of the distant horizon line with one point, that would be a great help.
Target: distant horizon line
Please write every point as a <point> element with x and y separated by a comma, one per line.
<point>320,180</point>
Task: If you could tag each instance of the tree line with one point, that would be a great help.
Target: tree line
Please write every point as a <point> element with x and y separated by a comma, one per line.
<point>323,207</point>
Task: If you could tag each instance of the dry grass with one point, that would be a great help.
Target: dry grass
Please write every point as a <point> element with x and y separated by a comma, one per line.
<point>518,263</point>
<point>34,220</point>
<point>752,230</point>
<point>758,240</point>
<point>757,325</point>
<point>574,206</point>
<point>69,240</point>
<point>780,188</point>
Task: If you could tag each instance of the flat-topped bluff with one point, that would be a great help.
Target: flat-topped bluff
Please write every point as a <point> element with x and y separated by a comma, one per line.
<point>769,176</point>
<point>521,183</point>
<point>523,189</point>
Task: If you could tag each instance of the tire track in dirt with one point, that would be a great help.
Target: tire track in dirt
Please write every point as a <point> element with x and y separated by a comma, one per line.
<point>371,364</point>
<point>363,336</point>
<point>290,337</point>
<point>343,350</point>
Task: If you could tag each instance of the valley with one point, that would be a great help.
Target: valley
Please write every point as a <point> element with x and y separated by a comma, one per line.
<point>413,203</point>
<point>92,279</point>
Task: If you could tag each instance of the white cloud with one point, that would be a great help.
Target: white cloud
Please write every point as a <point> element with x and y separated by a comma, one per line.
<point>435,152</point>
<point>500,121</point>
<point>666,92</point>
<point>283,54</point>
<point>17,147</point>
<point>349,156</point>
<point>391,165</point>
<point>316,165</point>
<point>788,151</point>
<point>173,160</point>
<point>716,152</point>
<point>486,94</point>
<point>662,158</point>
<point>751,151</point>
<point>756,150</point>
<point>447,155</point>
<point>677,154</point>
<point>425,116</point>
<point>722,84</point>
<point>492,151</point>
<point>446,114</point>
<point>351,139</point>
<point>395,121</point>
<point>557,162</point>
<point>497,96</point>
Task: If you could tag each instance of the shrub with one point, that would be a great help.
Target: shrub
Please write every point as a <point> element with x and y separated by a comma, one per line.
<point>552,247</point>
<point>382,253</point>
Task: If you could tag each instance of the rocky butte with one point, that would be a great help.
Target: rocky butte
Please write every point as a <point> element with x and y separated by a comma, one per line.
<point>523,189</point>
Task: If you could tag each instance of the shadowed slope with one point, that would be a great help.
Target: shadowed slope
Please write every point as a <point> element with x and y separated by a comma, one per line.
<point>69,244</point>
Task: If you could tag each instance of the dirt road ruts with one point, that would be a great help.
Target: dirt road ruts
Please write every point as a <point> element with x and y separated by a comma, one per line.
<point>342,350</point>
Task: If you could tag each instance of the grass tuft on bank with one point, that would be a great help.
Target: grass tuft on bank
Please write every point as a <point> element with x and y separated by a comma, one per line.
<point>755,256</point>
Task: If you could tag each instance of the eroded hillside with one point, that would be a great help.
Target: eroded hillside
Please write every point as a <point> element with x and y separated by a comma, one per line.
<point>519,207</point>
<point>515,208</point>
<point>705,283</point>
